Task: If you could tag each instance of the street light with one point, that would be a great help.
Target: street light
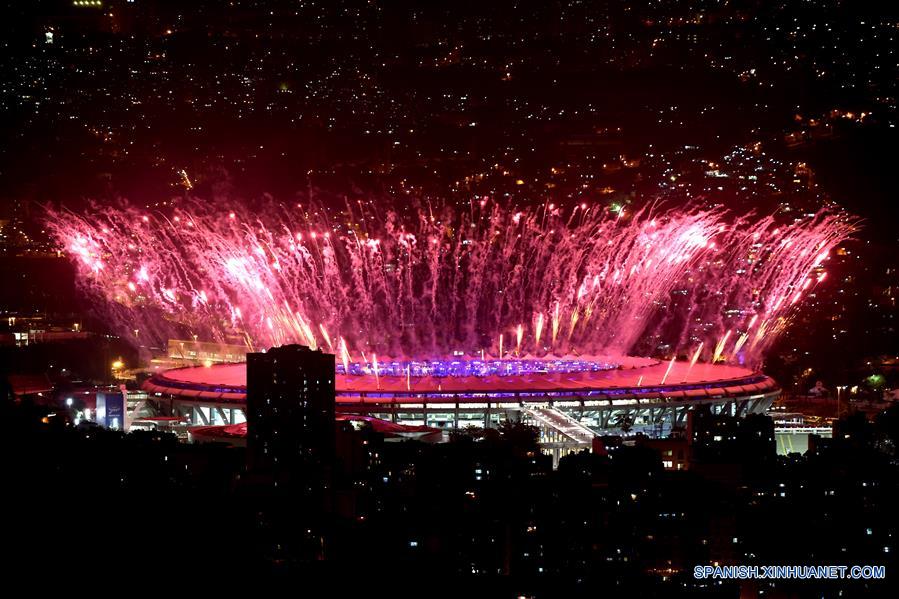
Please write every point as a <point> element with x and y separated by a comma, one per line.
<point>840,388</point>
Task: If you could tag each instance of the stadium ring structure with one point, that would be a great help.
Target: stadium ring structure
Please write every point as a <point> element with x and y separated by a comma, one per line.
<point>570,399</point>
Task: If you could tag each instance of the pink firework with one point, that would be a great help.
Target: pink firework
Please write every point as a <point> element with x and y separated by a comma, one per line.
<point>433,281</point>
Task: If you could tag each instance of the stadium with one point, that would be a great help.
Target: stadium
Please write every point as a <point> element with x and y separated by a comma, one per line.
<point>570,399</point>
<point>491,313</point>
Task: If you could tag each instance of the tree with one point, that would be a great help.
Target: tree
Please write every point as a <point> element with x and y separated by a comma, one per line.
<point>520,435</point>
<point>624,422</point>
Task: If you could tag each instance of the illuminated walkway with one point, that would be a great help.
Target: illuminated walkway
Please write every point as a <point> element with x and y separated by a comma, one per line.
<point>555,420</point>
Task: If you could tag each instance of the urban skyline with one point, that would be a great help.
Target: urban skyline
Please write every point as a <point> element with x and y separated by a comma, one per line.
<point>609,290</point>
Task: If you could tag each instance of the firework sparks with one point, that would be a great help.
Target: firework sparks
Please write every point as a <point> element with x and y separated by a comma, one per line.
<point>693,361</point>
<point>344,356</point>
<point>265,277</point>
<point>719,348</point>
<point>538,331</point>
<point>374,363</point>
<point>668,371</point>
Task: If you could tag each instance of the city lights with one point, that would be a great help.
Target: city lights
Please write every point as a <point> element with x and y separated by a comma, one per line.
<point>532,299</point>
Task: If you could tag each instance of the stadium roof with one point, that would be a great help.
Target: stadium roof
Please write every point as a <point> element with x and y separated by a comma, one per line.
<point>227,383</point>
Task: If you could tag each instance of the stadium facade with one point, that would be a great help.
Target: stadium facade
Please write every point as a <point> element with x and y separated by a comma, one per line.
<point>571,400</point>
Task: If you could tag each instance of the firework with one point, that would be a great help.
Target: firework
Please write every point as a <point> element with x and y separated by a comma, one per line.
<point>667,371</point>
<point>434,282</point>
